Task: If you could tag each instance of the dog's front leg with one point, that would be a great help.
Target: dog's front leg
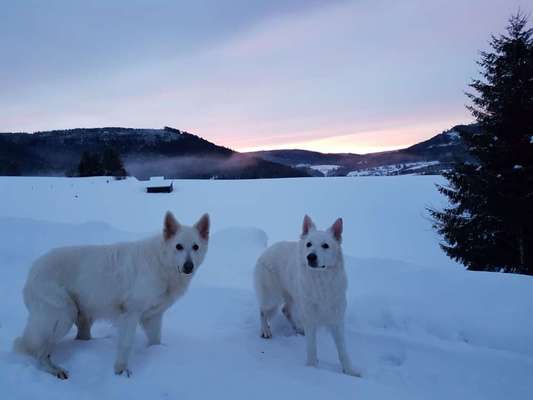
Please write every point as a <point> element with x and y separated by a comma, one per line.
<point>310,335</point>
<point>337,331</point>
<point>152,328</point>
<point>126,333</point>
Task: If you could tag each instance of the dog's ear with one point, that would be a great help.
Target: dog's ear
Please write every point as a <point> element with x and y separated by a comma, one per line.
<point>203,226</point>
<point>336,229</point>
<point>170,226</point>
<point>308,225</point>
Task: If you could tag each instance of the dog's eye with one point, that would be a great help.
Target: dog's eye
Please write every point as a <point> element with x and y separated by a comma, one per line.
<point>308,244</point>
<point>179,247</point>
<point>325,246</point>
<point>195,247</point>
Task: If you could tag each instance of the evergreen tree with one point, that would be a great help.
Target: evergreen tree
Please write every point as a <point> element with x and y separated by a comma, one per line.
<point>90,165</point>
<point>489,224</point>
<point>112,163</point>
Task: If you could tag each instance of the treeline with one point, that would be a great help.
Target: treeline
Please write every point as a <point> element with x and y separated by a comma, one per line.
<point>104,163</point>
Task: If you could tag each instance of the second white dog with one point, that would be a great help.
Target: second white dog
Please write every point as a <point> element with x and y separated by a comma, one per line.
<point>131,283</point>
<point>308,278</point>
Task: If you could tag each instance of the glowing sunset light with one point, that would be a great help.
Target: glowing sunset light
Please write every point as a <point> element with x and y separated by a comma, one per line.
<point>367,140</point>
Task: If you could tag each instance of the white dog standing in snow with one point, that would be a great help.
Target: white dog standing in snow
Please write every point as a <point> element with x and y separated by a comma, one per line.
<point>308,278</point>
<point>130,283</point>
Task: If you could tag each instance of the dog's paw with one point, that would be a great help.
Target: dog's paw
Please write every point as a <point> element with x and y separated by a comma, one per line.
<point>61,374</point>
<point>125,372</point>
<point>47,365</point>
<point>351,372</point>
<point>266,333</point>
<point>121,369</point>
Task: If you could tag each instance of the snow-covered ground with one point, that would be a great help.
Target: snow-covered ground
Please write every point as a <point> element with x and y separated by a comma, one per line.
<point>418,325</point>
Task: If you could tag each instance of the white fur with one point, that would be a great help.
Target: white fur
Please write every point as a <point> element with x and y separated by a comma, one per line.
<point>129,283</point>
<point>311,296</point>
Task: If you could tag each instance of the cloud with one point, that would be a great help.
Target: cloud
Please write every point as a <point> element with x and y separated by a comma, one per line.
<point>350,75</point>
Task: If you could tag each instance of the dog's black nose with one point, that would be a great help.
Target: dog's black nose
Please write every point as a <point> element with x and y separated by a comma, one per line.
<point>311,258</point>
<point>188,267</point>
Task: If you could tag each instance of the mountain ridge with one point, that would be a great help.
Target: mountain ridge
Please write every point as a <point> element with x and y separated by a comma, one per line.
<point>431,156</point>
<point>145,152</point>
<point>179,154</point>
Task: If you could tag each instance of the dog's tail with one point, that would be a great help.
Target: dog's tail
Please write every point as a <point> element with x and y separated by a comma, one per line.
<point>19,346</point>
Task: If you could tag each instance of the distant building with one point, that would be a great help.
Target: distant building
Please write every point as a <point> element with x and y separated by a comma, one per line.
<point>157,184</point>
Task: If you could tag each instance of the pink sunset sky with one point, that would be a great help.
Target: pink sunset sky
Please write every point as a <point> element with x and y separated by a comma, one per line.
<point>332,76</point>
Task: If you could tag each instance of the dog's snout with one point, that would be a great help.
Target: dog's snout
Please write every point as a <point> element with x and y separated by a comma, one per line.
<point>311,258</point>
<point>188,267</point>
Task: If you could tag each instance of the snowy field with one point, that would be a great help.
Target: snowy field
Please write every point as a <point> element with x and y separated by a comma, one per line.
<point>418,325</point>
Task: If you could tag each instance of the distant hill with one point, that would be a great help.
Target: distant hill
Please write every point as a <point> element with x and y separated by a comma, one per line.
<point>173,153</point>
<point>432,156</point>
<point>145,152</point>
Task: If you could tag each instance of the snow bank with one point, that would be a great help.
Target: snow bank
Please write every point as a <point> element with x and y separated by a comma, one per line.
<point>475,308</point>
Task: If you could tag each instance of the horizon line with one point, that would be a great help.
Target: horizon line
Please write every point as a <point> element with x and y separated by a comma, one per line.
<point>306,145</point>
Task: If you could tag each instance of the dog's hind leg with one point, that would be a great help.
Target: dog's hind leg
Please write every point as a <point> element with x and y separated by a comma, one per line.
<point>269,295</point>
<point>42,332</point>
<point>288,311</point>
<point>83,323</point>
